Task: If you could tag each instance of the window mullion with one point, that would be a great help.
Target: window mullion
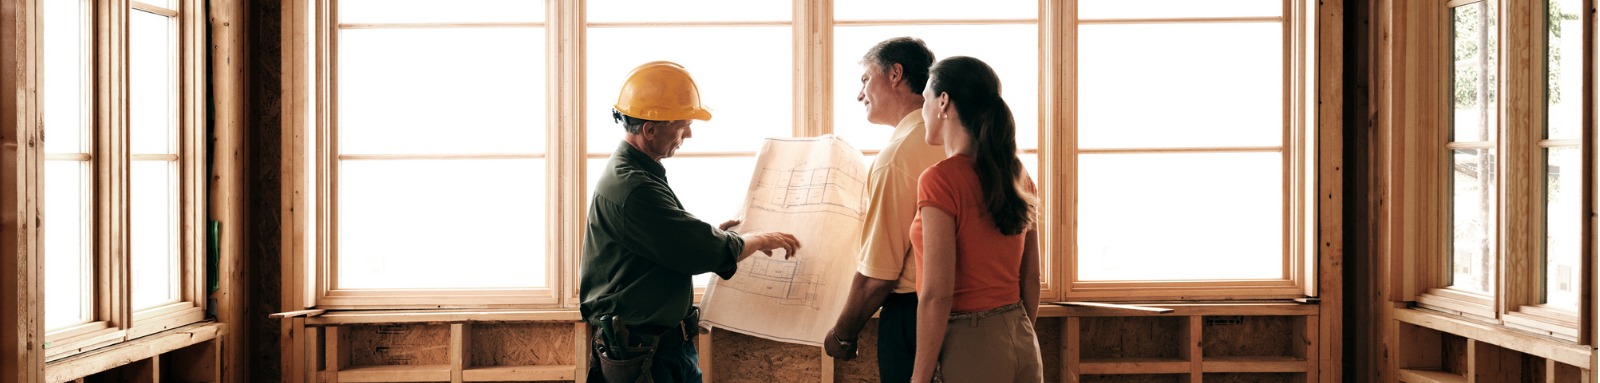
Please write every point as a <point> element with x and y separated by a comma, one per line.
<point>564,58</point>
<point>813,67</point>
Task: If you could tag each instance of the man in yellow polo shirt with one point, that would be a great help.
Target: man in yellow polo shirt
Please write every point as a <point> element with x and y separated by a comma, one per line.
<point>893,74</point>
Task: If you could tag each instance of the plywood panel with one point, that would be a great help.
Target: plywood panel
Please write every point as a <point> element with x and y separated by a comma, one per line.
<point>1251,378</point>
<point>1132,337</point>
<point>399,344</point>
<point>1248,336</point>
<point>1133,378</point>
<point>521,344</point>
<point>864,368</point>
<point>742,358</point>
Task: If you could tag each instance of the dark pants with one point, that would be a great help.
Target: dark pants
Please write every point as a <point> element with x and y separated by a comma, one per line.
<point>676,360</point>
<point>897,337</point>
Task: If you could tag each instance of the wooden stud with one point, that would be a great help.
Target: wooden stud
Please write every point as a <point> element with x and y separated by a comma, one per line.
<point>581,342</point>
<point>1071,349</point>
<point>21,315</point>
<point>827,371</point>
<point>706,354</point>
<point>458,351</point>
<point>1193,335</point>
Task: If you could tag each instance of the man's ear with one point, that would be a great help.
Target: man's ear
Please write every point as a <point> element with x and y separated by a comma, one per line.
<point>647,129</point>
<point>897,74</point>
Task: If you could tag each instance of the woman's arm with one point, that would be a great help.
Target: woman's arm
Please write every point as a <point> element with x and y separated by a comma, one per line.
<point>1030,275</point>
<point>938,285</point>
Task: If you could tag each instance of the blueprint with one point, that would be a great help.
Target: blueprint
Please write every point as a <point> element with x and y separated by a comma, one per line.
<point>814,188</point>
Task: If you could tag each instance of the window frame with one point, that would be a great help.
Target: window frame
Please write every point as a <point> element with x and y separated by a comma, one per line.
<point>1514,302</point>
<point>1300,148</point>
<point>324,180</point>
<point>114,320</point>
<point>1305,150</point>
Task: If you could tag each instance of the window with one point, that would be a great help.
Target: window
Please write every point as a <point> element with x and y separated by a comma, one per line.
<point>442,139</point>
<point>1511,167</point>
<point>1171,141</point>
<point>438,154</point>
<point>122,182</point>
<point>749,92</point>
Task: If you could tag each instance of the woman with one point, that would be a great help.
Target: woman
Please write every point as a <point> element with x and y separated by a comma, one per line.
<point>974,236</point>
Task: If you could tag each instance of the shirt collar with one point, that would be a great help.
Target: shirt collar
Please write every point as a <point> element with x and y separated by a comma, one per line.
<point>910,121</point>
<point>631,154</point>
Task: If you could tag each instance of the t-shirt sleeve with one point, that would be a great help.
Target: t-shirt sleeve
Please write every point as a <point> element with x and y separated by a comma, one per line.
<point>935,189</point>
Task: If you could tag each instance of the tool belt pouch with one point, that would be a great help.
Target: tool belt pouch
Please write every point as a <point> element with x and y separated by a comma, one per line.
<point>634,369</point>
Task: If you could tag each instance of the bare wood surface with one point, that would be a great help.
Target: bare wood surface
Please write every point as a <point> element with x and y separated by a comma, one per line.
<point>1114,306</point>
<point>1542,347</point>
<point>297,313</point>
<point>105,359</point>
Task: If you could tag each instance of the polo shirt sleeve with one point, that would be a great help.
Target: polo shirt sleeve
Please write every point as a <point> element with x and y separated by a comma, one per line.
<point>658,230</point>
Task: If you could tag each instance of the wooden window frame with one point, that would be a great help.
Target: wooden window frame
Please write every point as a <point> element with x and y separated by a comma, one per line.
<point>1514,302</point>
<point>308,168</point>
<point>1300,149</point>
<point>324,43</point>
<point>114,319</point>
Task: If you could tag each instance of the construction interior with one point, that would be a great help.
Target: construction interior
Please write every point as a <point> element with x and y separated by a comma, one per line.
<point>1427,169</point>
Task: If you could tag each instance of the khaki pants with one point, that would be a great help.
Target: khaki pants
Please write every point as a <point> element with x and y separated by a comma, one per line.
<point>1001,347</point>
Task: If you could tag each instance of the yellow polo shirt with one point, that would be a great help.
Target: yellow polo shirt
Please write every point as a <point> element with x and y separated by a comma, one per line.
<point>892,204</point>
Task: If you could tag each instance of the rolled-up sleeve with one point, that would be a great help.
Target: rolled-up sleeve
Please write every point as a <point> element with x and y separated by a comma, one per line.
<point>659,230</point>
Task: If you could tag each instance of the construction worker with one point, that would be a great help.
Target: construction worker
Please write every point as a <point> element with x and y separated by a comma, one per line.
<point>640,248</point>
<point>893,75</point>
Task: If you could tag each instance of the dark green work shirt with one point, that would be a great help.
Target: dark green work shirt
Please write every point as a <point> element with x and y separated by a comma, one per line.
<point>641,248</point>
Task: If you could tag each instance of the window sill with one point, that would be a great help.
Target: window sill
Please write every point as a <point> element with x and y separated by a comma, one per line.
<point>1545,347</point>
<point>90,363</point>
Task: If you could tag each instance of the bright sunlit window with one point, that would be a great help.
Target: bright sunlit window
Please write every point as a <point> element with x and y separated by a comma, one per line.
<point>441,140</point>
<point>741,56</point>
<point>153,122</point>
<point>1561,146</point>
<point>1472,149</point>
<point>1181,135</point>
<point>69,262</point>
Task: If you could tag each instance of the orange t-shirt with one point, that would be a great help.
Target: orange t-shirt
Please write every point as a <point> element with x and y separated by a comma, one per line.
<point>988,263</point>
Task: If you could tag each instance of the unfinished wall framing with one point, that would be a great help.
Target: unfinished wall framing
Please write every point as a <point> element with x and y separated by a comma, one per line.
<point>1257,342</point>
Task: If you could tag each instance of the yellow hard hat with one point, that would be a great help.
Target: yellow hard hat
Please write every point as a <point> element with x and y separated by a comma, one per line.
<point>661,91</point>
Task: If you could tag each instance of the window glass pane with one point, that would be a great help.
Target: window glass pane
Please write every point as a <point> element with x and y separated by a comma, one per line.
<point>1146,9</point>
<point>1563,247</point>
<point>612,11</point>
<point>1472,219</point>
<point>469,90</point>
<point>153,83</point>
<point>154,236</point>
<point>1018,70</point>
<point>1474,76</point>
<point>434,11</point>
<point>412,224</point>
<point>66,69</point>
<point>68,261</point>
<point>935,9</point>
<point>744,75</point>
<point>1220,216</point>
<point>1565,71</point>
<point>1180,85</point>
<point>168,4</point>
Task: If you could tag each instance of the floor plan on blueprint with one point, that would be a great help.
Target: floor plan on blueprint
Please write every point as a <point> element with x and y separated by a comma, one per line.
<point>814,188</point>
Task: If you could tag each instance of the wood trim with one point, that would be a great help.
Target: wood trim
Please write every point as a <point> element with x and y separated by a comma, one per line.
<point>1185,20</point>
<point>566,39</point>
<point>295,240</point>
<point>1233,149</point>
<point>228,187</point>
<point>338,318</point>
<point>440,25</point>
<point>730,154</point>
<point>1458,302</point>
<point>163,11</point>
<point>145,348</point>
<point>687,24</point>
<point>1528,344</point>
<point>1327,38</point>
<point>1521,106</point>
<point>926,22</point>
<point>1052,39</point>
<point>1588,309</point>
<point>442,156</point>
<point>81,157</point>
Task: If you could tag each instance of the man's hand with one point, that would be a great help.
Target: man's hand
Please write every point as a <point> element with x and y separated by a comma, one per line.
<point>766,242</point>
<point>731,223</point>
<point>838,348</point>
